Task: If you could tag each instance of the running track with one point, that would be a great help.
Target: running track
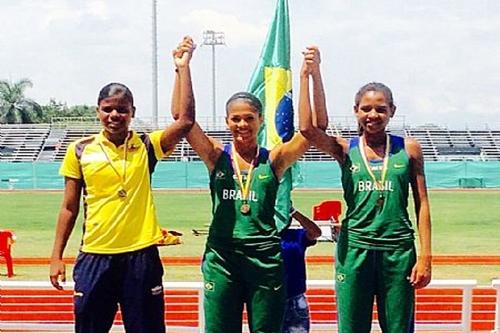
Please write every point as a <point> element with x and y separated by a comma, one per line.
<point>312,260</point>
<point>483,301</point>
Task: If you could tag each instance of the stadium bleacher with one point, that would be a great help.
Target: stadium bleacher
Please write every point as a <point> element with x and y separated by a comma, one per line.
<point>22,143</point>
<point>48,142</point>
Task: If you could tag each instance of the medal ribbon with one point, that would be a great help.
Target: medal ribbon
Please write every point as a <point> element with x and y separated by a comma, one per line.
<point>245,186</point>
<point>124,176</point>
<point>380,184</point>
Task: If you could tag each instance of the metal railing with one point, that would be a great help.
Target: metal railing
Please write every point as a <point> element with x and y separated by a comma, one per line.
<point>496,284</point>
<point>461,325</point>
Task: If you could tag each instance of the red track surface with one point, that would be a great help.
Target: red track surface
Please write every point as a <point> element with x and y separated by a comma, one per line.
<point>433,306</point>
<point>314,260</point>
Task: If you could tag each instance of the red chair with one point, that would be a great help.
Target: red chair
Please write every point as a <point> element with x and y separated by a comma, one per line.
<point>325,210</point>
<point>7,238</point>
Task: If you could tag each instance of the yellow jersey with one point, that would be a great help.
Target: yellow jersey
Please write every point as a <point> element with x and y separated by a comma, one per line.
<point>119,210</point>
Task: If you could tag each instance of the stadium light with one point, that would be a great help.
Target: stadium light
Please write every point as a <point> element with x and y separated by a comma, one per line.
<point>213,38</point>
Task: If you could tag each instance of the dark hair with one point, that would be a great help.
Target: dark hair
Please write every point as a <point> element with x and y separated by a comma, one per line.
<point>115,89</point>
<point>247,97</point>
<point>377,87</point>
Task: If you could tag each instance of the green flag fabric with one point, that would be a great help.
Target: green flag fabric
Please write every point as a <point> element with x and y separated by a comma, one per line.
<point>271,82</point>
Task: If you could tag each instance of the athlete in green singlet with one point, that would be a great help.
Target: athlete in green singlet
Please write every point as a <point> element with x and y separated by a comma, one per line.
<point>376,256</point>
<point>242,262</point>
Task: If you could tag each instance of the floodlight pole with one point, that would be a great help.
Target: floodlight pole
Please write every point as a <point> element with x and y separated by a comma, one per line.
<point>213,39</point>
<point>155,67</point>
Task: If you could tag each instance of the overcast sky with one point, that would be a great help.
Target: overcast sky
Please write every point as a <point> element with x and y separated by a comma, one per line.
<point>441,58</point>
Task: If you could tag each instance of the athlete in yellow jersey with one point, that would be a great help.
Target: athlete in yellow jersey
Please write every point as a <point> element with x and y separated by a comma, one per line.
<point>118,262</point>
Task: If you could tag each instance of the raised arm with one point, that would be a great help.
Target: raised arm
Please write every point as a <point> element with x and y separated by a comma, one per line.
<point>313,123</point>
<point>284,155</point>
<point>65,225</point>
<point>184,100</point>
<point>312,57</point>
<point>207,148</point>
<point>422,271</point>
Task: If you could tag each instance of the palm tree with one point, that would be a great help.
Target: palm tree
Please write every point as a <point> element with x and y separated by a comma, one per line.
<point>14,106</point>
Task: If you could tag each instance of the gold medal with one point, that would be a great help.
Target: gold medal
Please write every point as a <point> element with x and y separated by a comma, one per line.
<point>122,193</point>
<point>245,208</point>
<point>379,184</point>
<point>244,185</point>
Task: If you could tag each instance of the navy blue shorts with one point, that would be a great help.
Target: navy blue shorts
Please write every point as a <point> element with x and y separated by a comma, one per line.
<point>132,279</point>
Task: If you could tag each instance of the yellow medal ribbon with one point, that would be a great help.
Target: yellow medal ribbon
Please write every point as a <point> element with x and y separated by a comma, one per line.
<point>379,183</point>
<point>122,193</point>
<point>244,186</point>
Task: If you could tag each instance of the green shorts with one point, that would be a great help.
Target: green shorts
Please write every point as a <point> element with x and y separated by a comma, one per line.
<point>363,276</point>
<point>233,278</point>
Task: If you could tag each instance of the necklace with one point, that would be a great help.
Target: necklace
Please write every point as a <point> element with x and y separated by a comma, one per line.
<point>244,186</point>
<point>122,193</point>
<point>379,184</point>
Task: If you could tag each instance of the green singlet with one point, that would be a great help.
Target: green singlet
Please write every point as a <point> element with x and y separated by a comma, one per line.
<point>375,252</point>
<point>369,224</point>
<point>230,227</point>
<point>242,261</point>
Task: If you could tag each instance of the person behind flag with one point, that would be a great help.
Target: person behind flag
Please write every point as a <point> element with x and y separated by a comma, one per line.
<point>119,261</point>
<point>242,262</point>
<point>375,255</point>
<point>294,243</point>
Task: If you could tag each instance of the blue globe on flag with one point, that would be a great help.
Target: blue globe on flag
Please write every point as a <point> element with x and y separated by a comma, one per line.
<point>284,117</point>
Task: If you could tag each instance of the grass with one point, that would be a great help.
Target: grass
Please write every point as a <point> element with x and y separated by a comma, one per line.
<point>464,223</point>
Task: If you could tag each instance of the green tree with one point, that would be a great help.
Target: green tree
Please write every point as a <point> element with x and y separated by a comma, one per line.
<point>57,109</point>
<point>53,109</point>
<point>82,111</point>
<point>14,106</point>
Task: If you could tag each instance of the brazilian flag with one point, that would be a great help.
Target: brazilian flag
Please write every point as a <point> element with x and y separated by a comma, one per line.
<point>271,82</point>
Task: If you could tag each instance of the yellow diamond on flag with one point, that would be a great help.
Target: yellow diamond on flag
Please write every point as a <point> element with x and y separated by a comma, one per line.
<point>278,84</point>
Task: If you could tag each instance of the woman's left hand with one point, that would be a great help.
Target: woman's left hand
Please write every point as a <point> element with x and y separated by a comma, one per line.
<point>183,53</point>
<point>421,273</point>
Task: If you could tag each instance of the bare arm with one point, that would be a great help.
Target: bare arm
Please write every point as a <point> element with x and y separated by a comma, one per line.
<point>65,224</point>
<point>422,272</point>
<point>313,231</point>
<point>334,146</point>
<point>182,99</point>
<point>284,155</point>
<point>206,147</point>
<point>312,57</point>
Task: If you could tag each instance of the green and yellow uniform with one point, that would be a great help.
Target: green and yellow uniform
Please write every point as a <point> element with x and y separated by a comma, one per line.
<point>118,261</point>
<point>242,262</point>
<point>115,224</point>
<point>375,251</point>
